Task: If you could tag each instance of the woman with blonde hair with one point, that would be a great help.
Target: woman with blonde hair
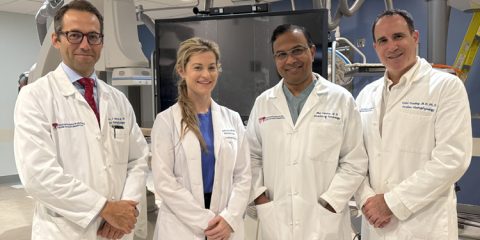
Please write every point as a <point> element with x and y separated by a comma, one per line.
<point>200,158</point>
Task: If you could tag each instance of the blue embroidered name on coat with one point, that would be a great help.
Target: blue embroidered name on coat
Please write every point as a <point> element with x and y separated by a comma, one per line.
<point>366,109</point>
<point>229,133</point>
<point>117,121</point>
<point>327,115</point>
<point>419,106</point>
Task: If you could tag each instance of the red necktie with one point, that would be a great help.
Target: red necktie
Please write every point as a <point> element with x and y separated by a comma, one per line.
<point>87,83</point>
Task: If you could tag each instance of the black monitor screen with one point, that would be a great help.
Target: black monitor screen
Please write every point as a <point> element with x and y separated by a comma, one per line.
<point>248,67</point>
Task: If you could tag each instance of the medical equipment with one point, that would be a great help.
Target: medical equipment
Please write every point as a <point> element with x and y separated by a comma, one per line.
<point>248,68</point>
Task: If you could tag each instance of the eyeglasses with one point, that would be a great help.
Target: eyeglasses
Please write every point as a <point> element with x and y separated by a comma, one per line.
<point>295,52</point>
<point>76,37</point>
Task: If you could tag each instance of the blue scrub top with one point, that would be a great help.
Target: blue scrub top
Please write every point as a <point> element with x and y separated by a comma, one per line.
<point>208,156</point>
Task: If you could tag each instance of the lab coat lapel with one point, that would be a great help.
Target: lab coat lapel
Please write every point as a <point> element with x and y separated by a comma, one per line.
<point>278,99</point>
<point>218,125</point>
<point>377,98</point>
<point>412,76</point>
<point>64,85</point>
<point>104,99</point>
<point>68,89</point>
<point>377,101</point>
<point>191,148</point>
<point>393,102</point>
<point>318,91</point>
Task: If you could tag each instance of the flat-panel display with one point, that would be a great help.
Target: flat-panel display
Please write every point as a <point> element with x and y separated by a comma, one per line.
<point>246,53</point>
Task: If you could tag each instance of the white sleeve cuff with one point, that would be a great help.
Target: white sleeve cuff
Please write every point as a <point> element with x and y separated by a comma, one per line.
<point>94,213</point>
<point>396,206</point>
<point>229,219</point>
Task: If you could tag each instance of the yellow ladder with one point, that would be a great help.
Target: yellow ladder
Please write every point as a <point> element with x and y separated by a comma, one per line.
<point>469,47</point>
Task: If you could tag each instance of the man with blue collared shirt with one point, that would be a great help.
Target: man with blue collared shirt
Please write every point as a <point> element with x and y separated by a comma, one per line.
<point>79,151</point>
<point>75,80</point>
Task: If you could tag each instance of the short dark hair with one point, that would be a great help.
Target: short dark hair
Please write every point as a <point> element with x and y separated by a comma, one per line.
<point>402,13</point>
<point>281,29</point>
<point>79,5</point>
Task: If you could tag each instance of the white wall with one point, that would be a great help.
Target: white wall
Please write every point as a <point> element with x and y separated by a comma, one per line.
<point>19,46</point>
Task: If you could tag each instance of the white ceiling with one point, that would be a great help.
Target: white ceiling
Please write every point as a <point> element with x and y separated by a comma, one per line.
<point>31,6</point>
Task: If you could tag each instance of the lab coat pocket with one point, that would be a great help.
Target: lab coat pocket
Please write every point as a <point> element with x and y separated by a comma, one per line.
<point>324,142</point>
<point>119,137</point>
<point>227,157</point>
<point>119,133</point>
<point>231,146</point>
<point>268,220</point>
<point>418,124</point>
<point>67,229</point>
<point>330,224</point>
<point>430,223</point>
<point>170,228</point>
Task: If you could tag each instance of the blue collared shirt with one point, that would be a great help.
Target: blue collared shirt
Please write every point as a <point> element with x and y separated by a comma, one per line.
<point>295,103</point>
<point>74,77</point>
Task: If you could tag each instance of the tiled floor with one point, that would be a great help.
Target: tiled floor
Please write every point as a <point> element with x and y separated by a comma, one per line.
<point>16,213</point>
<point>16,210</point>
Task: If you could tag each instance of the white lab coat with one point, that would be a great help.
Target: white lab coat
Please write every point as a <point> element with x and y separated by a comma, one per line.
<point>321,156</point>
<point>424,149</point>
<point>69,165</point>
<point>177,173</point>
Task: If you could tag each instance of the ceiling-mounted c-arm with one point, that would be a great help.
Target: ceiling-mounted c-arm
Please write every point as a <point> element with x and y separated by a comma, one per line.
<point>48,9</point>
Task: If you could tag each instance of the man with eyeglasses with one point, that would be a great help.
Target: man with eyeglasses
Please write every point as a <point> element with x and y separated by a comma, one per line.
<point>79,151</point>
<point>306,143</point>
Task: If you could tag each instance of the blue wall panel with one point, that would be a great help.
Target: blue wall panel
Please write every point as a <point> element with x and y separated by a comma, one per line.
<point>359,26</point>
<point>469,193</point>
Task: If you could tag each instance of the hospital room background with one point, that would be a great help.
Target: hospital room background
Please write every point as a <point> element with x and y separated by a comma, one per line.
<point>19,47</point>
